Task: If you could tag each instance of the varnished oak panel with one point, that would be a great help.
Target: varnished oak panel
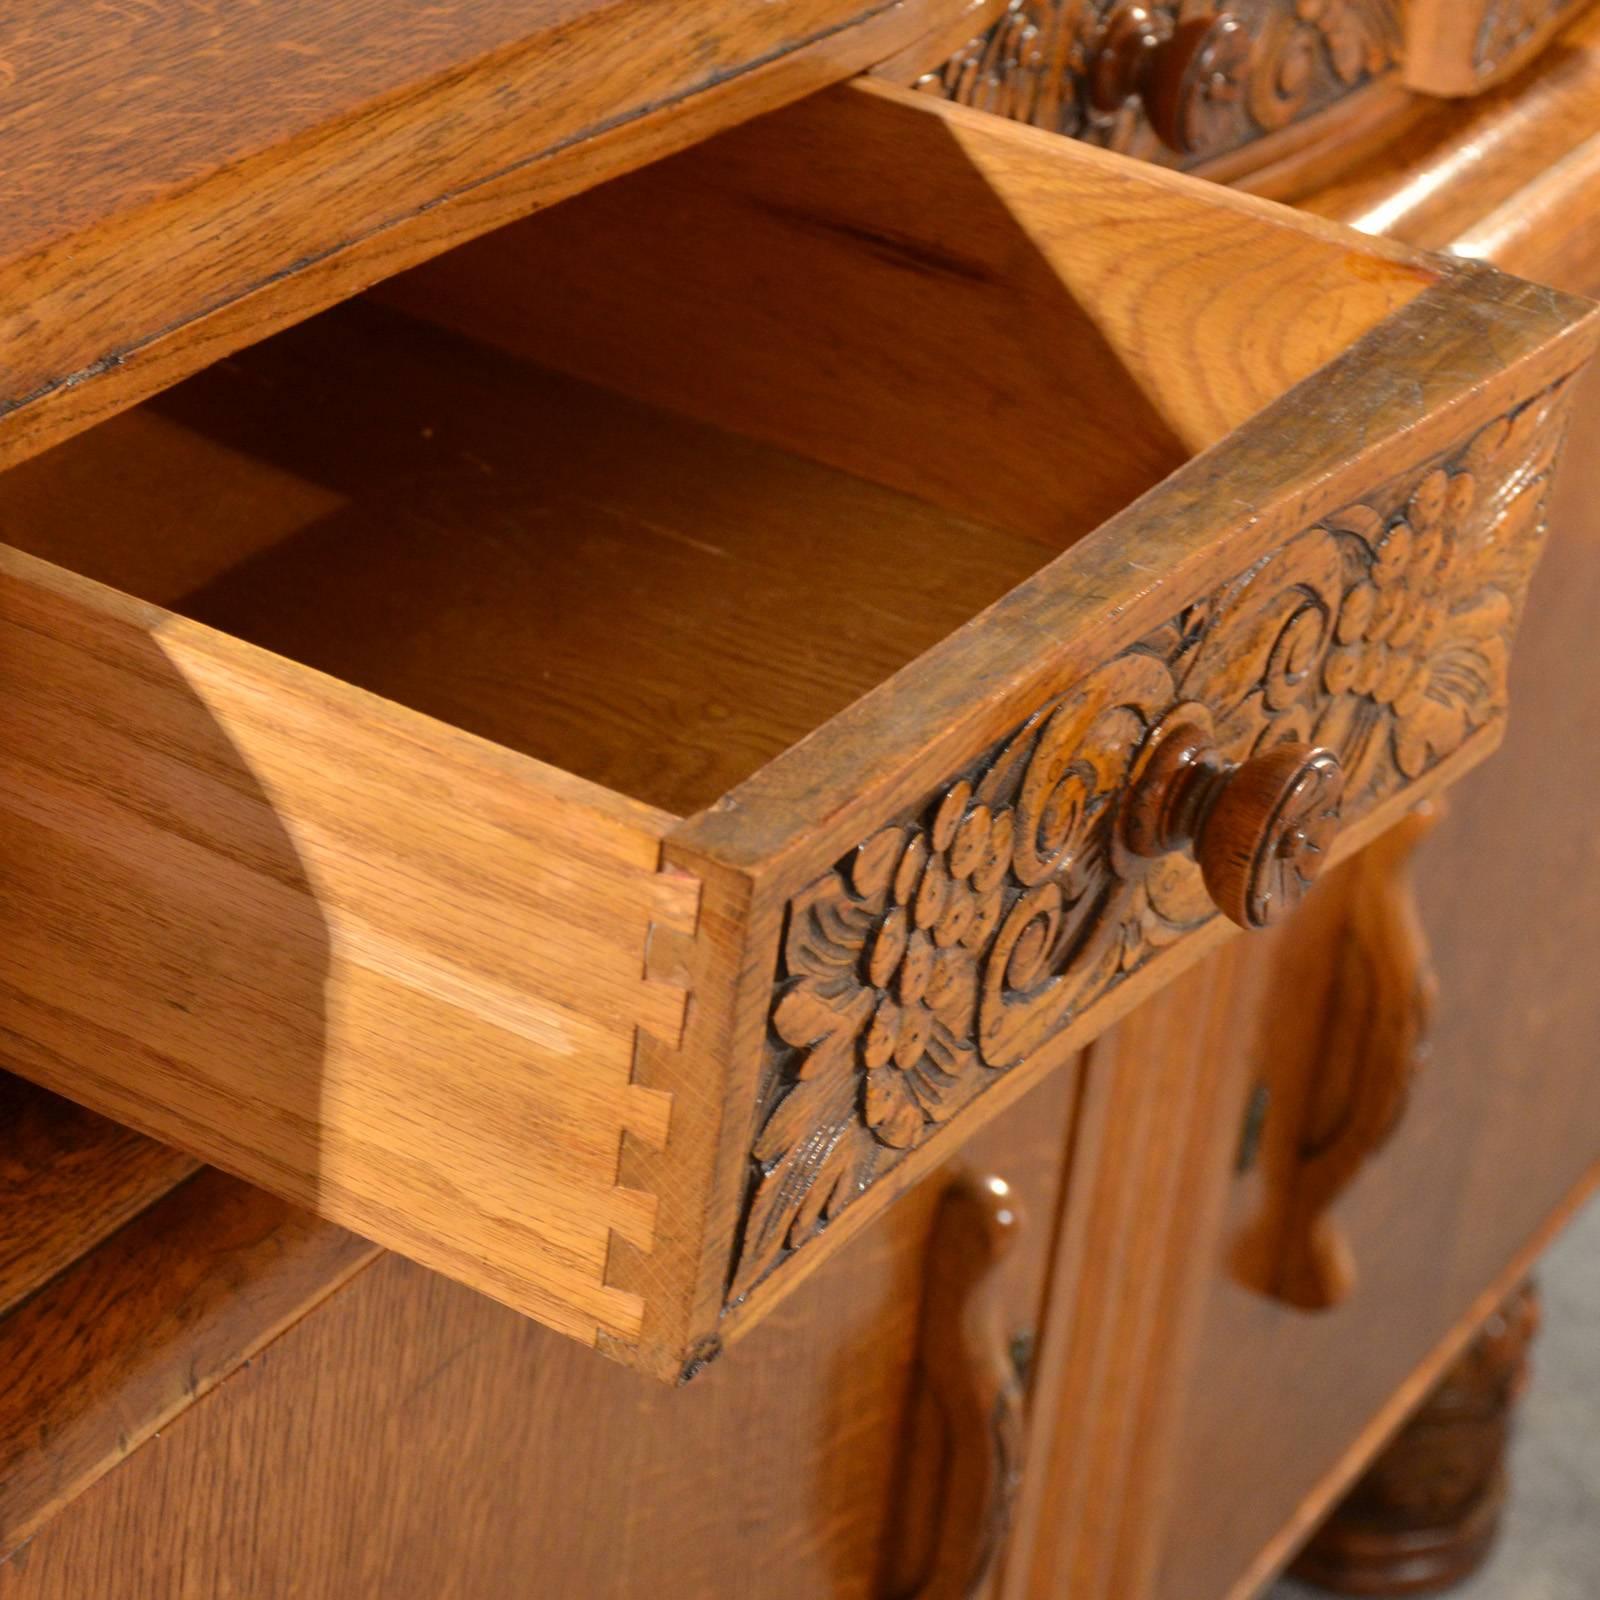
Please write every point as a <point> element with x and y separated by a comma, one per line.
<point>412,1439</point>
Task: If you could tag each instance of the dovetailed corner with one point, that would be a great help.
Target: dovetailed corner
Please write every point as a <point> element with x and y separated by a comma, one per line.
<point>647,1114</point>
<point>633,1216</point>
<point>675,900</point>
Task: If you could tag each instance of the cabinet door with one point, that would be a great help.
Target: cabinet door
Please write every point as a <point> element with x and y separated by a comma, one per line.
<point>412,1439</point>
<point>1497,1136</point>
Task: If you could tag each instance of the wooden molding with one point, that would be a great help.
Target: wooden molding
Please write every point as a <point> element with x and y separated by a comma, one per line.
<point>973,1402</point>
<point>1338,1086</point>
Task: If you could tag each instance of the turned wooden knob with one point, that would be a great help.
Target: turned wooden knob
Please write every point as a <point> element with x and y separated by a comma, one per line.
<point>1176,68</point>
<point>1259,829</point>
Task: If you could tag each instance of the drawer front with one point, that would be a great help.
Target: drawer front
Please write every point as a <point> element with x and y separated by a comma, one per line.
<point>637,1076</point>
<point>1179,82</point>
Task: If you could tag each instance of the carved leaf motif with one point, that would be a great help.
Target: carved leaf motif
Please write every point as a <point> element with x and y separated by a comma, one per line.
<point>965,936</point>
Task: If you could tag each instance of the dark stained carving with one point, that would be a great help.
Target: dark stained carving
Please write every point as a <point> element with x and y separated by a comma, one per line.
<point>963,936</point>
<point>1171,80</point>
<point>1259,829</point>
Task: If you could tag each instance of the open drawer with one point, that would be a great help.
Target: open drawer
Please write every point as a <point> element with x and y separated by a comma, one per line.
<point>356,687</point>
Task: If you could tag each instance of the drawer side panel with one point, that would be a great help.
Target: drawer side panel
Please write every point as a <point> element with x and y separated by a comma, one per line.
<point>385,970</point>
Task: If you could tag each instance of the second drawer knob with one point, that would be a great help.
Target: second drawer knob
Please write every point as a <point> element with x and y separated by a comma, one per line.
<point>1260,829</point>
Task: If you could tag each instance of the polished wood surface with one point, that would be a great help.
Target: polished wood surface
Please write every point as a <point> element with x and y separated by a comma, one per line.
<point>413,1439</point>
<point>465,914</point>
<point>181,180</point>
<point>285,924</point>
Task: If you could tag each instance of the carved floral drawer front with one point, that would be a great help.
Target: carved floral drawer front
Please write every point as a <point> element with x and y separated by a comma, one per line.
<point>394,876</point>
<point>961,939</point>
<point>1458,47</point>
<point>1186,82</point>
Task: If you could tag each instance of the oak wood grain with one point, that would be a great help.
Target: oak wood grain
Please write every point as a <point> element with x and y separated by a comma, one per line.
<point>143,1326</point>
<point>805,271</point>
<point>68,1179</point>
<point>1148,1182</point>
<point>414,1438</point>
<point>300,932</point>
<point>264,161</point>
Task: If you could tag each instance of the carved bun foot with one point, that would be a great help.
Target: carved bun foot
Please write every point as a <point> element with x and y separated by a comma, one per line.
<point>1426,1514</point>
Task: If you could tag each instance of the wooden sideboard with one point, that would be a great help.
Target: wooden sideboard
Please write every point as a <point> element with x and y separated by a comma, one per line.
<point>692,761</point>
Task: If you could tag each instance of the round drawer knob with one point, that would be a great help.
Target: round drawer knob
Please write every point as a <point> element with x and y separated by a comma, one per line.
<point>1260,830</point>
<point>1176,68</point>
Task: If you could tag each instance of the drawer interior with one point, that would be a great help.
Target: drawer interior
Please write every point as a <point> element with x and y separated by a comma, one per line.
<point>800,463</point>
<point>578,576</point>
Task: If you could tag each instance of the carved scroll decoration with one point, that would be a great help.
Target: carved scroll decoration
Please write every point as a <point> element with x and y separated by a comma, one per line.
<point>959,939</point>
<point>1267,64</point>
